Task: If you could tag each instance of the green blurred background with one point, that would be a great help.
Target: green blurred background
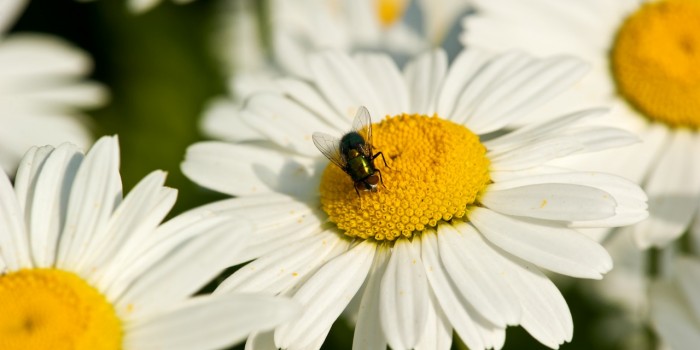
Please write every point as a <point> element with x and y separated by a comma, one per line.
<point>161,72</point>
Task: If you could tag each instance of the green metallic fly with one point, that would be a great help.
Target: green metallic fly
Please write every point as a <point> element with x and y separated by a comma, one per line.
<point>353,152</point>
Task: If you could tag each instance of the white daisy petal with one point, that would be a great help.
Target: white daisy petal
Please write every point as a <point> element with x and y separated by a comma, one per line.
<point>160,243</point>
<point>671,317</point>
<point>174,277</point>
<point>550,246</point>
<point>587,140</point>
<point>545,313</point>
<point>141,6</point>
<point>498,69</point>
<point>631,162</point>
<point>438,333</point>
<point>325,295</point>
<point>545,28</point>
<point>222,120</point>
<point>20,132</point>
<point>476,277</point>
<point>316,343</point>
<point>29,168</point>
<point>78,95</point>
<point>631,200</point>
<point>464,68</point>
<point>536,131</point>
<point>95,193</point>
<point>257,169</point>
<point>552,202</point>
<point>390,85</point>
<point>346,85</point>
<point>9,10</point>
<point>288,266</point>
<point>36,57</point>
<point>688,279</point>
<point>535,154</point>
<point>46,208</point>
<point>245,83</point>
<point>673,188</point>
<point>208,322</point>
<point>305,95</point>
<point>596,139</point>
<point>424,76</point>
<point>403,301</point>
<point>278,220</point>
<point>261,341</point>
<point>14,246</point>
<point>454,307</point>
<point>142,210</point>
<point>293,124</point>
<point>368,329</point>
<point>524,91</point>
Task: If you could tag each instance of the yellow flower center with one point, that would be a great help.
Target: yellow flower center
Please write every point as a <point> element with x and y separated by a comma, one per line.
<point>390,11</point>
<point>57,310</point>
<point>656,61</point>
<point>436,170</point>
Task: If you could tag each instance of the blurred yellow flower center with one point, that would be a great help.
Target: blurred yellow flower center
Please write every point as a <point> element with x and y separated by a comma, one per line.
<point>436,170</point>
<point>656,61</point>
<point>57,310</point>
<point>390,11</point>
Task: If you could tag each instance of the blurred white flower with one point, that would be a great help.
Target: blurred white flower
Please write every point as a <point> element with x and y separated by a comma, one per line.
<point>455,234</point>
<point>645,57</point>
<point>297,28</point>
<point>83,268</point>
<point>41,90</point>
<point>675,305</point>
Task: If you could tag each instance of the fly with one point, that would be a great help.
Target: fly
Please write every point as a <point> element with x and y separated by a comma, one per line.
<point>353,152</point>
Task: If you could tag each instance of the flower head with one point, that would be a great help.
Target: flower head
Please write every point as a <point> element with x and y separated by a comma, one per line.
<point>468,213</point>
<point>644,57</point>
<point>83,268</point>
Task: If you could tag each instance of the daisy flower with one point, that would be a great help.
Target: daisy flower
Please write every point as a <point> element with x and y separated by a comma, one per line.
<point>85,268</point>
<point>300,27</point>
<point>644,57</point>
<point>467,216</point>
<point>675,307</point>
<point>41,90</point>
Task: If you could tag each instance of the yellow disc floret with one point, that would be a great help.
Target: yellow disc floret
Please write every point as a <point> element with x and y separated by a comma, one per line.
<point>57,310</point>
<point>390,11</point>
<point>656,61</point>
<point>436,170</point>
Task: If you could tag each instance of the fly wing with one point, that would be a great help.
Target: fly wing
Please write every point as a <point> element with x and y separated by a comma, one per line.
<point>330,147</point>
<point>363,126</point>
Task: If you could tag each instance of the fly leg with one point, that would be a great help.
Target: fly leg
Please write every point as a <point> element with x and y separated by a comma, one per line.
<point>383,159</point>
<point>381,179</point>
